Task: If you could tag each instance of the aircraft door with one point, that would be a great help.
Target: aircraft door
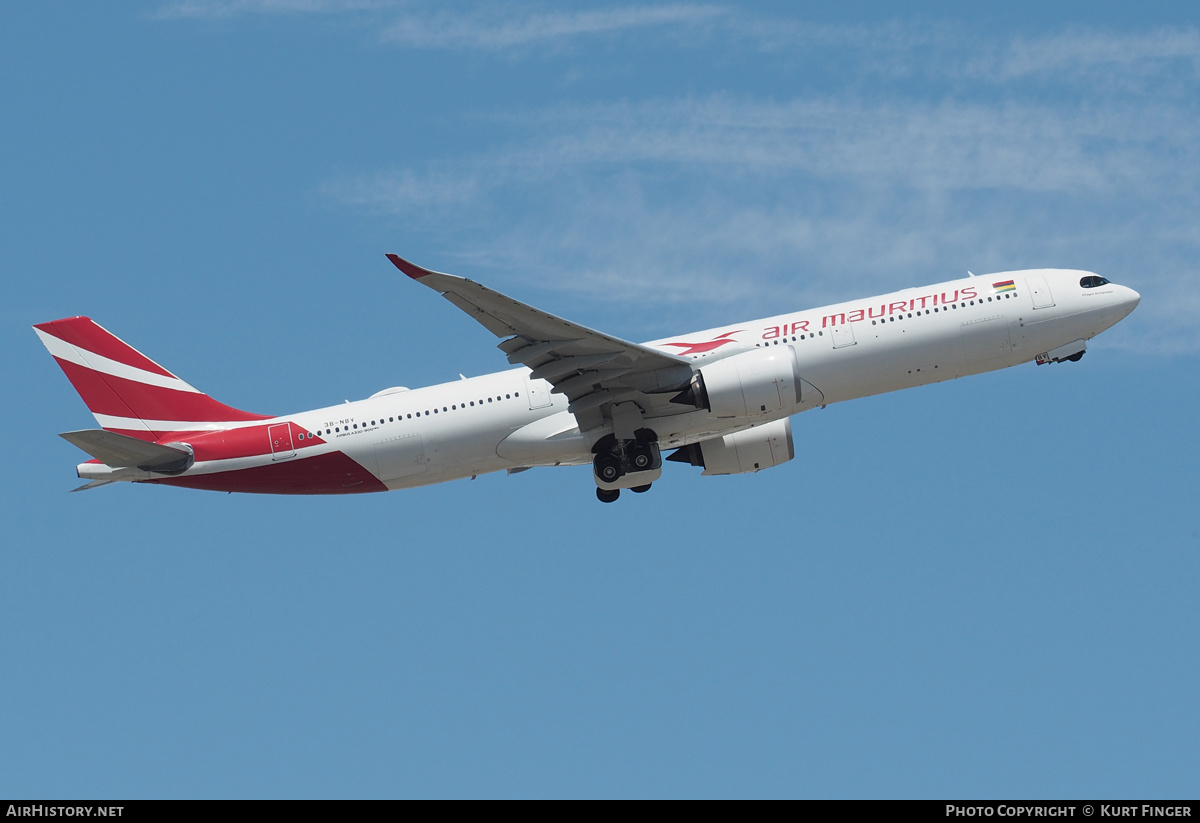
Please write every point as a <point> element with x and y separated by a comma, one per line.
<point>843,335</point>
<point>280,437</point>
<point>1042,299</point>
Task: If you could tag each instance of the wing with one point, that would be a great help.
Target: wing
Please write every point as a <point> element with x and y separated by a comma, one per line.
<point>594,370</point>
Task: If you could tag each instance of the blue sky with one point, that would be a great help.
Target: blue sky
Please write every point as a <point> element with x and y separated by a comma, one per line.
<point>981,588</point>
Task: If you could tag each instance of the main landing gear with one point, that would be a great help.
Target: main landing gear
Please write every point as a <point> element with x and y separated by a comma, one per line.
<point>626,464</point>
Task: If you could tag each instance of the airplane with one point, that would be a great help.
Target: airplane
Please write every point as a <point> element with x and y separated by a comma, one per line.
<point>721,399</point>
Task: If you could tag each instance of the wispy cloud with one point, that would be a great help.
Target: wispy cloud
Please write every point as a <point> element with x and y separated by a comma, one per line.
<point>888,49</point>
<point>400,190</point>
<point>497,29</point>
<point>727,200</point>
<point>1072,148</point>
<point>1073,54</point>
<point>478,27</point>
<point>943,146</point>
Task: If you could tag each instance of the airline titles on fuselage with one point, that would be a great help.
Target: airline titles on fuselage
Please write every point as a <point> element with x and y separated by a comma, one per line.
<point>884,310</point>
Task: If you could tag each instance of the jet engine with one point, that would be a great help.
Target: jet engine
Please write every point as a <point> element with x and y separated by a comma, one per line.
<point>750,384</point>
<point>751,450</point>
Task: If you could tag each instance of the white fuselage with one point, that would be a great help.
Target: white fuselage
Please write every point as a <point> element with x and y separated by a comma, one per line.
<point>508,421</point>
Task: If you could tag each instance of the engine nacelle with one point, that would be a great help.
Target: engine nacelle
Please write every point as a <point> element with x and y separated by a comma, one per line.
<point>751,450</point>
<point>750,384</point>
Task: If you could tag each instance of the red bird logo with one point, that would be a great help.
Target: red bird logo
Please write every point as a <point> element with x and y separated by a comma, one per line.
<point>706,346</point>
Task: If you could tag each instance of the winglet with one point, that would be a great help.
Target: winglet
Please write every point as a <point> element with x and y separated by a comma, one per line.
<point>411,269</point>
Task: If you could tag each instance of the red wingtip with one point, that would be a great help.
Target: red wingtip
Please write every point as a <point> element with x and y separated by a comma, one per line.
<point>411,269</point>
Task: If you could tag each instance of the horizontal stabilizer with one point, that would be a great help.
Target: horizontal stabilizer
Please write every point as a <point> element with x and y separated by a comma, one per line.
<point>122,451</point>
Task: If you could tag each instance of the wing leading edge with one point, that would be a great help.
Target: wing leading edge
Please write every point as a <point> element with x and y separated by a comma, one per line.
<point>595,371</point>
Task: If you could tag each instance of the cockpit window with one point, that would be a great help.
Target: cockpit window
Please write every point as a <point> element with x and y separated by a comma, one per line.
<point>1092,281</point>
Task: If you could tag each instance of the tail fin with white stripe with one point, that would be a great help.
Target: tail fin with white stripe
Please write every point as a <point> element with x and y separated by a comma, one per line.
<point>126,391</point>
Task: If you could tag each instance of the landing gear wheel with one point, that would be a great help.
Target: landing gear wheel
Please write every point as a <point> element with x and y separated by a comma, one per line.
<point>607,468</point>
<point>641,489</point>
<point>606,496</point>
<point>1075,358</point>
<point>640,458</point>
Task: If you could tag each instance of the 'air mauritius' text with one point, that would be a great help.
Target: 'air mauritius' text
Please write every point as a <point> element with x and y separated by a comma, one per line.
<point>874,312</point>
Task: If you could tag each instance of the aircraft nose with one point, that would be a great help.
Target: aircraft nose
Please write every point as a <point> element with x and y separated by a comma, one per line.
<point>1130,299</point>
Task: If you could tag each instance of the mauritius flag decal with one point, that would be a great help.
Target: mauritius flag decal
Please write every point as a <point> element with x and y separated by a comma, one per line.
<point>1004,285</point>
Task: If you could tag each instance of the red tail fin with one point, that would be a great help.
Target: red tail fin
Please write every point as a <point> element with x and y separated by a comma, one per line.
<point>127,391</point>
